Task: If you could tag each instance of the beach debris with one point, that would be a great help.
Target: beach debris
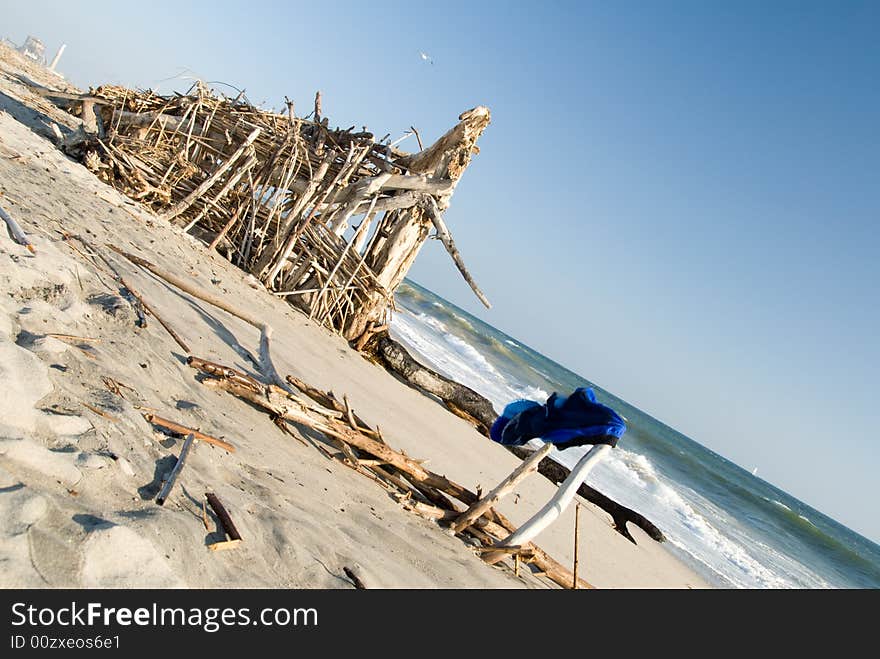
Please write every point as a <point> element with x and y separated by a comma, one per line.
<point>278,194</point>
<point>175,472</point>
<point>357,576</point>
<point>73,339</point>
<point>504,487</point>
<point>100,412</point>
<point>152,311</point>
<point>225,522</point>
<point>183,431</point>
<point>428,493</point>
<point>17,233</point>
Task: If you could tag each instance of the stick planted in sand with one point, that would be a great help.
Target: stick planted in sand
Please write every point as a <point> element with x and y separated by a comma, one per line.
<point>223,516</point>
<point>577,514</point>
<point>172,478</point>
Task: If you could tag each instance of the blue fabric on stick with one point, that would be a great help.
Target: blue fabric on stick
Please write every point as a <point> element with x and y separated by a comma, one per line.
<point>573,420</point>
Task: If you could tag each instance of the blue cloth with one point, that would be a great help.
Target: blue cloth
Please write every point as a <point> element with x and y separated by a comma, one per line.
<point>565,421</point>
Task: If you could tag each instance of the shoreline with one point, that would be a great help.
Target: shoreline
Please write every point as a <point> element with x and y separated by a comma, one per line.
<point>74,504</point>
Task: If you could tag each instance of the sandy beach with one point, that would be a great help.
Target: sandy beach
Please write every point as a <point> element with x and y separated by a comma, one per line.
<point>80,467</point>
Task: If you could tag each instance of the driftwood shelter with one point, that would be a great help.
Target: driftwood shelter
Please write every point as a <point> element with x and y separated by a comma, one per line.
<point>331,219</point>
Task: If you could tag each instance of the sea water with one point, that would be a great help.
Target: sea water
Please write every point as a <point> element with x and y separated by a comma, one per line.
<point>732,527</point>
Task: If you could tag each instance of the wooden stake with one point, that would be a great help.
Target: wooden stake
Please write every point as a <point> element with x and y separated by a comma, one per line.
<point>178,467</point>
<point>225,519</point>
<point>577,514</point>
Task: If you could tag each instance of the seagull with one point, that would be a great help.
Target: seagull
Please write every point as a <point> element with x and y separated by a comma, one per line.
<point>426,58</point>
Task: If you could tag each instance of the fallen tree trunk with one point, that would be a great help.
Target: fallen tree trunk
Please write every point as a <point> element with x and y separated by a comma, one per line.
<point>470,405</point>
<point>461,401</point>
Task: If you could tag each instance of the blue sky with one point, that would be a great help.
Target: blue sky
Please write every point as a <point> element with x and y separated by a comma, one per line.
<point>677,200</point>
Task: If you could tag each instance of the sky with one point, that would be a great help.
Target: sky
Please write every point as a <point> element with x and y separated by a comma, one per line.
<point>677,200</point>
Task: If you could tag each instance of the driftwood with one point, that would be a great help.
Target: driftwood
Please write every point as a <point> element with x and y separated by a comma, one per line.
<point>504,487</point>
<point>149,309</point>
<point>462,401</point>
<point>294,408</point>
<point>277,192</point>
<point>554,570</point>
<point>619,514</point>
<point>470,405</point>
<point>17,233</point>
<point>184,431</point>
<point>178,467</point>
<point>223,516</point>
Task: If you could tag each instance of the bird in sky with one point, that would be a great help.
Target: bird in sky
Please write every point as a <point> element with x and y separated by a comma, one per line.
<point>426,58</point>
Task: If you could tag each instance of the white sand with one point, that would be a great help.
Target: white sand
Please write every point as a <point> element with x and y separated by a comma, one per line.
<point>77,490</point>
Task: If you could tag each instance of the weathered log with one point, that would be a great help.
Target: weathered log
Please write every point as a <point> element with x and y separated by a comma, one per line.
<point>461,400</point>
<point>619,514</point>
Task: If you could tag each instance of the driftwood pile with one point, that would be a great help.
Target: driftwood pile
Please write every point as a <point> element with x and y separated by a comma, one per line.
<point>331,219</point>
<point>363,449</point>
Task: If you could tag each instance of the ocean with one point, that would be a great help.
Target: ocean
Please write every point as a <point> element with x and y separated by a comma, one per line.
<point>728,524</point>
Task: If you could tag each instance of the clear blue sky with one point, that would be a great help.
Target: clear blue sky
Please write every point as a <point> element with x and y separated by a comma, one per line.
<point>677,200</point>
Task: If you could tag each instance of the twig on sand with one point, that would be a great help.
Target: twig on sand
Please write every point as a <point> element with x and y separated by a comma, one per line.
<point>73,339</point>
<point>155,315</point>
<point>100,412</point>
<point>178,467</point>
<point>182,430</point>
